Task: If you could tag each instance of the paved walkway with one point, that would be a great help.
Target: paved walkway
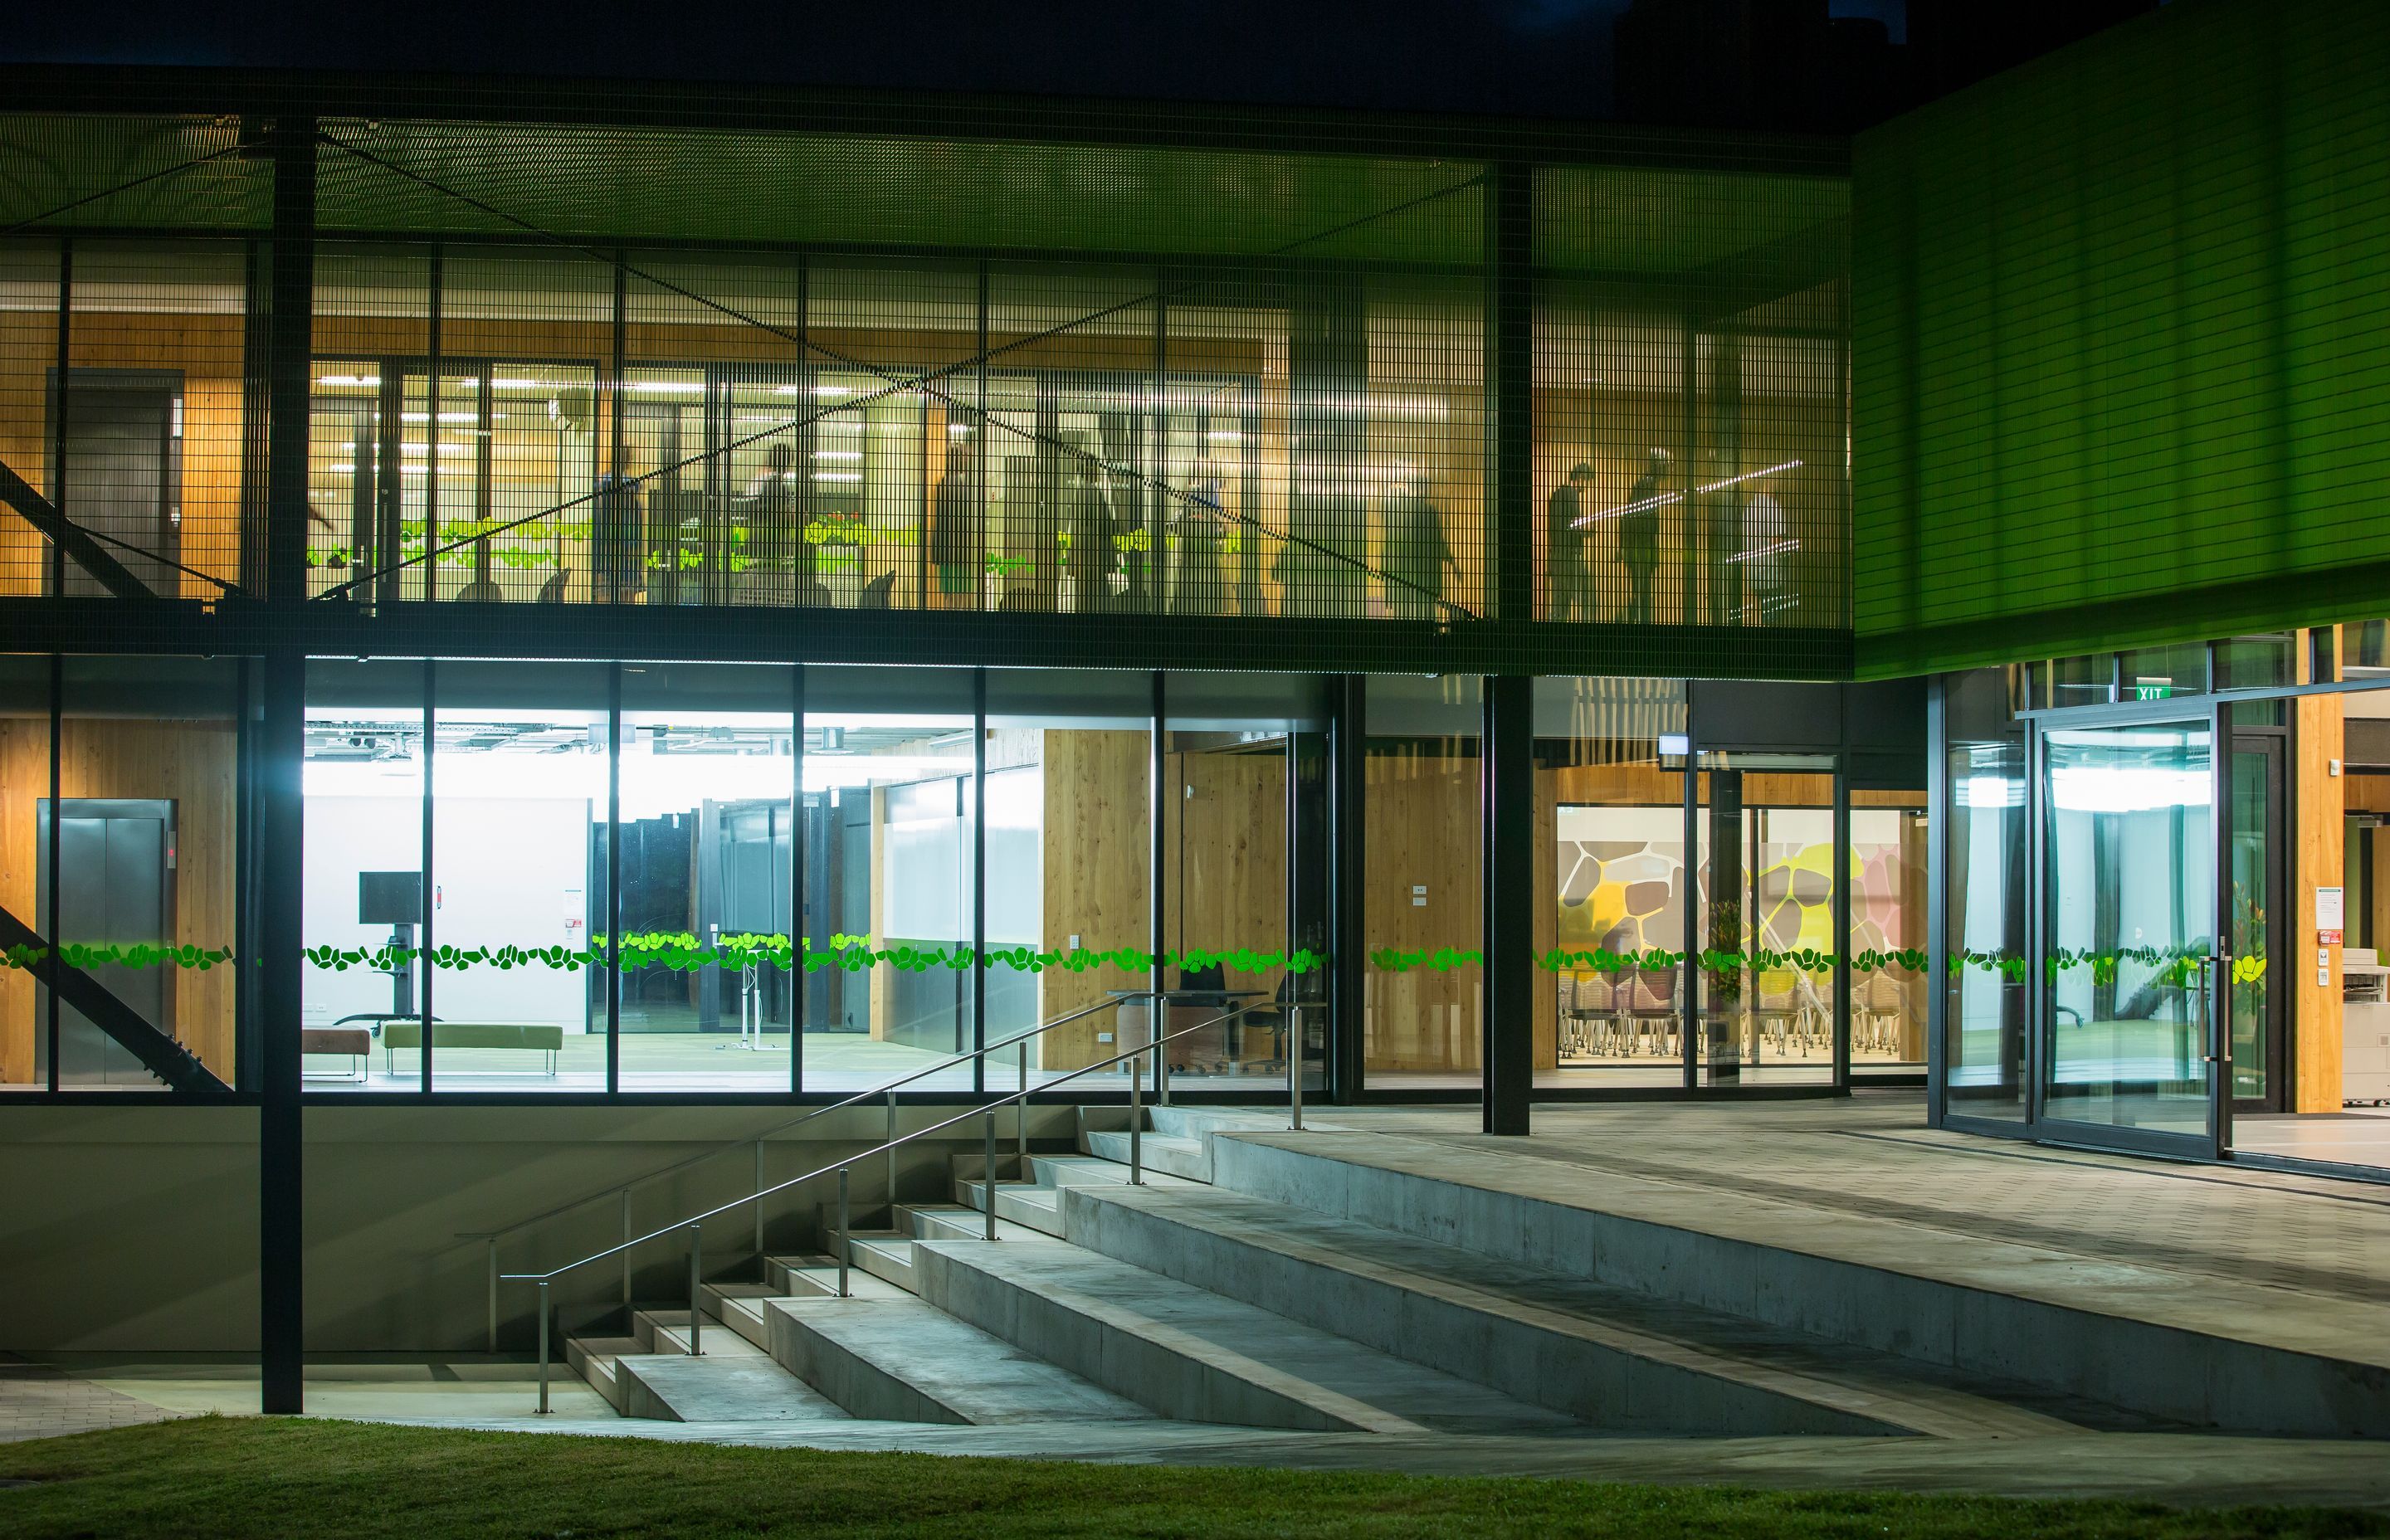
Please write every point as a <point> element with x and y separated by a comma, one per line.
<point>39,1401</point>
<point>1871,1158</point>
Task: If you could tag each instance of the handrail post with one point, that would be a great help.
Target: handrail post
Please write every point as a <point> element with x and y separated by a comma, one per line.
<point>543,1347</point>
<point>1160,1060</point>
<point>695,1255</point>
<point>494,1293</point>
<point>1136,1121</point>
<point>891,1141</point>
<point>1021,1113</point>
<point>759,1200</point>
<point>1294,1066</point>
<point>988,1174</point>
<point>626,1241</point>
<point>842,1233</point>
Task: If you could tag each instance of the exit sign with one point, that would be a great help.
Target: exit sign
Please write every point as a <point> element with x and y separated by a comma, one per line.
<point>2152,692</point>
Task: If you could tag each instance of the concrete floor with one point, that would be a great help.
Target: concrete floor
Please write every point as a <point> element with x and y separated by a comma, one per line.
<point>1827,1167</point>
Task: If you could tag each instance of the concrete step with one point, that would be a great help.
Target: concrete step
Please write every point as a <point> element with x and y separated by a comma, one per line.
<point>594,1359</point>
<point>964,1221</point>
<point>1032,1208</point>
<point>719,1387</point>
<point>816,1276</point>
<point>901,1360</point>
<point>2142,1341</point>
<point>740,1306</point>
<point>1194,1356</point>
<point>1182,1121</point>
<point>1169,1154</point>
<point>1609,1357</point>
<point>882,1253</point>
<point>661,1329</point>
<point>1039,1206</point>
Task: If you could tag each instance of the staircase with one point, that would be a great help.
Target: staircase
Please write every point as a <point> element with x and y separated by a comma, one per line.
<point>1103,1301</point>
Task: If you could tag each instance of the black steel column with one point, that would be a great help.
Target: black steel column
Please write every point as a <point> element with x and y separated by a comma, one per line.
<point>797,821</point>
<point>59,407</point>
<point>282,1284</point>
<point>1506,766</point>
<point>1511,379</point>
<point>1841,897</point>
<point>1156,760</point>
<point>613,911</point>
<point>979,864</point>
<point>1348,976</point>
<point>1719,989</point>
<point>291,290</point>
<point>428,859</point>
<point>56,931</point>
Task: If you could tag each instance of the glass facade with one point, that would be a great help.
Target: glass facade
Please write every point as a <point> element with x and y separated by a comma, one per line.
<point>1146,532</point>
<point>1984,853</point>
<point>1229,384</point>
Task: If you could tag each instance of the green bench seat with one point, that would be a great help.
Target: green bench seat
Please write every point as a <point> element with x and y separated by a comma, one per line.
<point>530,1036</point>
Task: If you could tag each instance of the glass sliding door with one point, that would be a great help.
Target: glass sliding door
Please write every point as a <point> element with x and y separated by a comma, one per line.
<point>2128,929</point>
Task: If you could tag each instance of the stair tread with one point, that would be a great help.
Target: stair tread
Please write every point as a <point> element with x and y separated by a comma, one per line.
<point>819,1274</point>
<point>978,1377</point>
<point>1916,1395</point>
<point>669,1330</point>
<point>1178,1158</point>
<point>745,1387</point>
<point>965,1220</point>
<point>1249,1343</point>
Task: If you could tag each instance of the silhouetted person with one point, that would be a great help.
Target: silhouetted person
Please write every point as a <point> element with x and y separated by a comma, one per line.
<point>775,543</point>
<point>618,540</point>
<point>1639,537</point>
<point>1417,552</point>
<point>1564,566</point>
<point>953,528</point>
<point>1767,548</point>
<point>1200,523</point>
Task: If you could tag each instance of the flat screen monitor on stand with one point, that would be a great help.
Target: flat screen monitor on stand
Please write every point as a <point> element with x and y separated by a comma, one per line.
<point>394,899</point>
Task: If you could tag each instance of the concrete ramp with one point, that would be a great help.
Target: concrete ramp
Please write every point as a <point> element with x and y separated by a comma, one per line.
<point>2093,1337</point>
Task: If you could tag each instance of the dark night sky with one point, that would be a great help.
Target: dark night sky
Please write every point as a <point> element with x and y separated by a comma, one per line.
<point>1540,58</point>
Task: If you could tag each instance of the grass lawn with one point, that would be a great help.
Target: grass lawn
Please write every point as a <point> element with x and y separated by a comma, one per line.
<point>226,1476</point>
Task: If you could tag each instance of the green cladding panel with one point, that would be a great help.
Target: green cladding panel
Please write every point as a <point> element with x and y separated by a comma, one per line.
<point>2122,342</point>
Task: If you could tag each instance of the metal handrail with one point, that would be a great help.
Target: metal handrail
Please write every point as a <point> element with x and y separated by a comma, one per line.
<point>694,1223</point>
<point>727,1146</point>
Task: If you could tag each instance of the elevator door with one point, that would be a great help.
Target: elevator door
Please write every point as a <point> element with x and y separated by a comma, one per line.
<point>116,890</point>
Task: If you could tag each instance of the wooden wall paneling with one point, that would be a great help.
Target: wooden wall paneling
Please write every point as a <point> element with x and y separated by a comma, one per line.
<point>2377,888</point>
<point>2364,794</point>
<point>1422,829</point>
<point>1096,862</point>
<point>2317,854</point>
<point>1224,873</point>
<point>194,764</point>
<point>27,341</point>
<point>24,780</point>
